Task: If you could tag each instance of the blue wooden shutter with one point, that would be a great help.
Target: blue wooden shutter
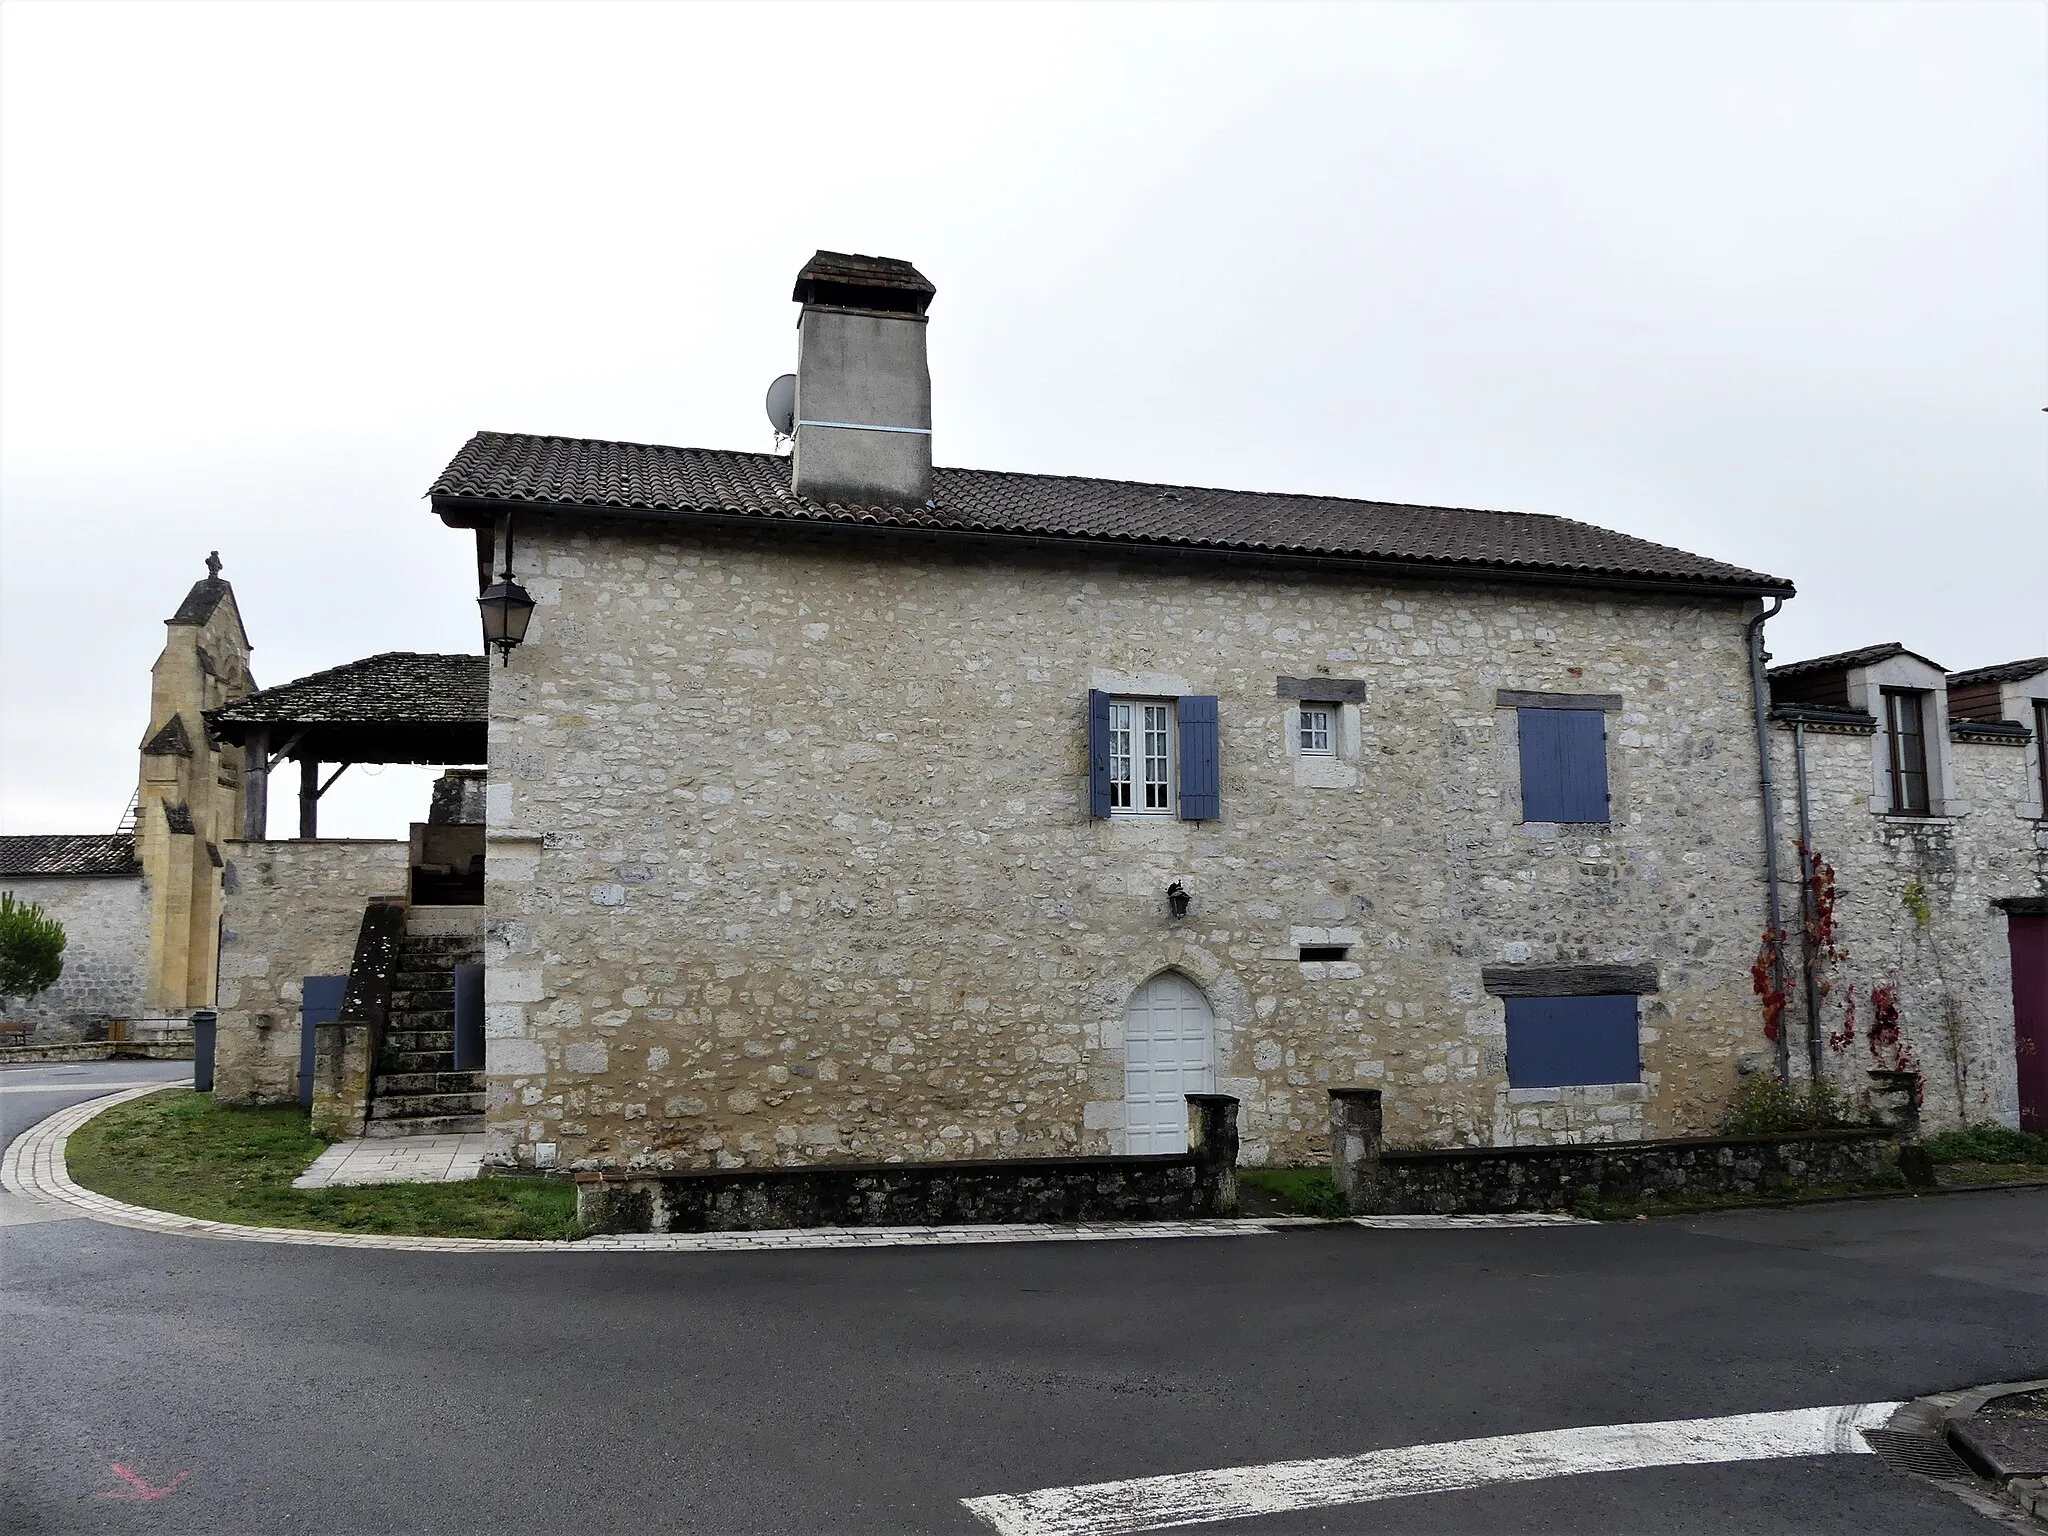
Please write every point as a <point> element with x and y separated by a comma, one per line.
<point>1098,753</point>
<point>1201,777</point>
<point>1556,1042</point>
<point>319,1003</point>
<point>1564,764</point>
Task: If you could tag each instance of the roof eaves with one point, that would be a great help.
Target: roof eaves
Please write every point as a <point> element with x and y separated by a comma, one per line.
<point>462,511</point>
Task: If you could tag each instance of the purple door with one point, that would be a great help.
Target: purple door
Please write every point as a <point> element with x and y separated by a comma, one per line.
<point>2029,936</point>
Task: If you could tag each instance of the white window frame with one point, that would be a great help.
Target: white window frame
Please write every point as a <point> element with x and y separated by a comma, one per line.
<point>1306,731</point>
<point>1136,725</point>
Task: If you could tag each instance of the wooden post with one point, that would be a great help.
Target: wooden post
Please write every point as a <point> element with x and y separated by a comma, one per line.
<point>309,797</point>
<point>256,786</point>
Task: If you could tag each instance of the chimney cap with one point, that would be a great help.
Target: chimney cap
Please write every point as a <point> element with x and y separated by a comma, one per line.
<point>840,280</point>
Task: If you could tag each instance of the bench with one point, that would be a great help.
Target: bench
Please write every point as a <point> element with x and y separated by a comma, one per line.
<point>16,1034</point>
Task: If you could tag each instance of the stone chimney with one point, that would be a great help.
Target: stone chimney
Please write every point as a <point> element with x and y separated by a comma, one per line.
<point>863,391</point>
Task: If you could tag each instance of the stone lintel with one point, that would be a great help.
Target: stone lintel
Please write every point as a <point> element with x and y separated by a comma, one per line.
<point>1322,690</point>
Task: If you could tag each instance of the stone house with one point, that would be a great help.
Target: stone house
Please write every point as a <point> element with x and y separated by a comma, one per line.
<point>1921,794</point>
<point>92,883</point>
<point>845,808</point>
<point>141,906</point>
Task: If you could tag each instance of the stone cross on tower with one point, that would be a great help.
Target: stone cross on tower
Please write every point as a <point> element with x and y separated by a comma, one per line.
<point>213,565</point>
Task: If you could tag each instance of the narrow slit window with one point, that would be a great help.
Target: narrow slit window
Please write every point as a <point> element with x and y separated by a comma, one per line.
<point>1324,952</point>
<point>1906,738</point>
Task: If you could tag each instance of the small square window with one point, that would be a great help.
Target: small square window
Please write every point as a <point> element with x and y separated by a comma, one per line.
<point>1317,737</point>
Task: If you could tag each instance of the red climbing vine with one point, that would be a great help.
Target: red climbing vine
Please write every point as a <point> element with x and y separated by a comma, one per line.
<point>1892,1051</point>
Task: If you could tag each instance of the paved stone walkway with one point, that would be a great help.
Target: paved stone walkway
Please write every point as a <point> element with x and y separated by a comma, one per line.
<point>34,1169</point>
<point>396,1160</point>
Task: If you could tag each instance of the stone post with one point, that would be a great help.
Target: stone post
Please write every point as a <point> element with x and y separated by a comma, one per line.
<point>1895,1103</point>
<point>1212,1142</point>
<point>1355,1148</point>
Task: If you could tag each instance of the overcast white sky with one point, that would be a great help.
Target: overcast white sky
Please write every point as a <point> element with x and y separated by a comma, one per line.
<point>1761,281</point>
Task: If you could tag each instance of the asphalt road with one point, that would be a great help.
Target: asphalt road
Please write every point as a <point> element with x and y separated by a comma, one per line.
<point>333,1391</point>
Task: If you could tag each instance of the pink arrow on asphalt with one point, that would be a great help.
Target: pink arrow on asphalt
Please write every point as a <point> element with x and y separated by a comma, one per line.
<point>138,1487</point>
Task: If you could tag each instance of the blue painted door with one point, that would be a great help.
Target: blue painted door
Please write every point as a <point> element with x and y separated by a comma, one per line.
<point>319,1003</point>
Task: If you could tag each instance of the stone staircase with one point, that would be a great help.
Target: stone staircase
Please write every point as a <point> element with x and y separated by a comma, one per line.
<point>417,1091</point>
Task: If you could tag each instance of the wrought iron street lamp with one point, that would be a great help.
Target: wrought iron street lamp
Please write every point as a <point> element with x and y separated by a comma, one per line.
<point>507,608</point>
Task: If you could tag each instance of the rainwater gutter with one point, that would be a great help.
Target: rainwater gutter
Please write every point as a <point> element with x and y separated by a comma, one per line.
<point>1760,689</point>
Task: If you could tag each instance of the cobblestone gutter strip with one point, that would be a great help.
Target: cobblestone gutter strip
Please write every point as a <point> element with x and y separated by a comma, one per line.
<point>34,1168</point>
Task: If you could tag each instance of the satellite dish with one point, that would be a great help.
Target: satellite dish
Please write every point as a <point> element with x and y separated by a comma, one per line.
<point>782,405</point>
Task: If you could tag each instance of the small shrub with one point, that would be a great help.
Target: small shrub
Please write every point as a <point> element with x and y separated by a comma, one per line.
<point>31,949</point>
<point>1306,1191</point>
<point>1989,1143</point>
<point>1764,1106</point>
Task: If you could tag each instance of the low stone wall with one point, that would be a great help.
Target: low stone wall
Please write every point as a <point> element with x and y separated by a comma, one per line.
<point>1478,1180</point>
<point>1201,1182</point>
<point>292,910</point>
<point>97,1050</point>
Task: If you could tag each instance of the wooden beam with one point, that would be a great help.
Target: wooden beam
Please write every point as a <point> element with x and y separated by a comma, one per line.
<point>309,797</point>
<point>1567,980</point>
<point>256,786</point>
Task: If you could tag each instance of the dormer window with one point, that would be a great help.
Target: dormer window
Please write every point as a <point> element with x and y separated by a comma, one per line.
<point>1905,728</point>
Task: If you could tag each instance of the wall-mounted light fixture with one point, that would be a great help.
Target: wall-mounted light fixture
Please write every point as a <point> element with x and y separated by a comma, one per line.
<point>1178,900</point>
<point>506,608</point>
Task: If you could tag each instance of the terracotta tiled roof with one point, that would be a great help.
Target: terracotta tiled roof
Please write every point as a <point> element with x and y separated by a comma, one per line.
<point>401,686</point>
<point>1842,661</point>
<point>69,853</point>
<point>2004,672</point>
<point>500,468</point>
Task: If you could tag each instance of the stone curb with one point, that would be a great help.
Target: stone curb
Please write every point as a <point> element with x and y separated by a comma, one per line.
<point>34,1168</point>
<point>2030,1494</point>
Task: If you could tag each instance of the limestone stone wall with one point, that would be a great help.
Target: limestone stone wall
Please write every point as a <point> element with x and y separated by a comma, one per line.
<point>106,931</point>
<point>291,910</point>
<point>1914,911</point>
<point>790,857</point>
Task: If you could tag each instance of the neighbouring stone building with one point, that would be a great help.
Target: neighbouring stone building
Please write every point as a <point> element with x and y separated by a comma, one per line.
<point>141,906</point>
<point>845,808</point>
<point>92,884</point>
<point>1921,795</point>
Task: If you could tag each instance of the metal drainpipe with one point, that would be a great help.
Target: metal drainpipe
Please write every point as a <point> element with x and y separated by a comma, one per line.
<point>1760,689</point>
<point>1806,908</point>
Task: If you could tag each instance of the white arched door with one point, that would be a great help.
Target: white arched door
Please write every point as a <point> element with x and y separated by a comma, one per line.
<point>1168,1054</point>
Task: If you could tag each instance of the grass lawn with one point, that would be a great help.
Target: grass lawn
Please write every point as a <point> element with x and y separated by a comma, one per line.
<point>176,1151</point>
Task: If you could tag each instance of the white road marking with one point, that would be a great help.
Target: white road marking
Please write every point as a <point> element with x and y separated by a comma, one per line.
<point>1233,1493</point>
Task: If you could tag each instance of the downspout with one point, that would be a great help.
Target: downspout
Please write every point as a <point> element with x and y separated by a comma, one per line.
<point>1807,913</point>
<point>1760,689</point>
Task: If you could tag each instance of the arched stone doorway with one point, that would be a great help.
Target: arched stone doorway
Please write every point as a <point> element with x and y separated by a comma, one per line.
<point>1169,1053</point>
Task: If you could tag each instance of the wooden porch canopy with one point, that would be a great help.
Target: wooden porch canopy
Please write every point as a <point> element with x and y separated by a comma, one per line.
<point>400,707</point>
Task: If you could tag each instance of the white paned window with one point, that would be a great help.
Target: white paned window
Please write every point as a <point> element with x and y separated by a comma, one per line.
<point>1140,757</point>
<point>1317,738</point>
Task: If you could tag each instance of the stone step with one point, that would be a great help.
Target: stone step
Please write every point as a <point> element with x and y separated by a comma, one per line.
<point>415,1106</point>
<point>408,1000</point>
<point>439,1125</point>
<point>420,1018</point>
<point>395,1062</point>
<point>429,1082</point>
<point>419,1039</point>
